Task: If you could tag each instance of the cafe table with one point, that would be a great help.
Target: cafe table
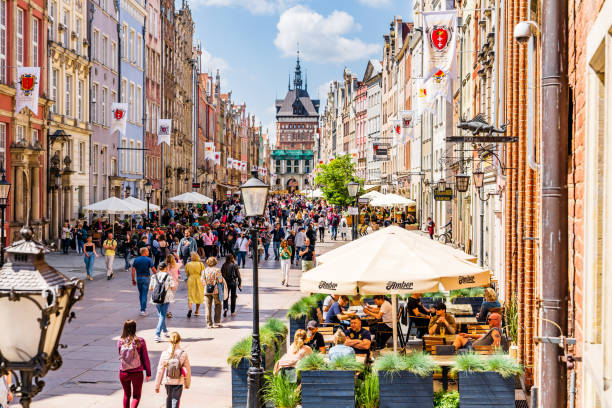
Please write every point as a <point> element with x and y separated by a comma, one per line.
<point>446,362</point>
<point>459,309</point>
<point>466,320</point>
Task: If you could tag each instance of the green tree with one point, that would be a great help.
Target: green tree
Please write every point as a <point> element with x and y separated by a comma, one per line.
<point>333,179</point>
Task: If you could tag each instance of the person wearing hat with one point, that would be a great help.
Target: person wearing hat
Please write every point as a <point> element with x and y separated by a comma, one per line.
<point>315,340</point>
<point>442,323</point>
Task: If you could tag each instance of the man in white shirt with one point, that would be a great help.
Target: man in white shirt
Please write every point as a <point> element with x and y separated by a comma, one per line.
<point>327,304</point>
<point>300,243</point>
<point>243,247</point>
<point>382,311</point>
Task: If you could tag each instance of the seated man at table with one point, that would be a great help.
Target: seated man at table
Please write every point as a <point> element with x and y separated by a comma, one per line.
<point>494,337</point>
<point>314,339</point>
<point>442,322</point>
<point>383,312</point>
<point>358,337</point>
<point>340,349</point>
<point>327,304</point>
<point>337,311</point>
<point>418,313</point>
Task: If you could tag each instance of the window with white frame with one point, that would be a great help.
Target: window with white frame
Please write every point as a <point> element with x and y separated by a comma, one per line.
<point>138,157</point>
<point>132,50</point>
<point>2,144</point>
<point>66,21</point>
<point>67,95</point>
<point>132,163</point>
<point>95,43</point>
<point>34,41</point>
<point>113,58</point>
<point>104,53</point>
<point>103,104</point>
<point>94,161</point>
<point>124,42</point>
<point>131,102</point>
<point>124,154</point>
<point>139,104</point>
<point>54,84</point>
<point>94,103</point>
<point>79,106</point>
<point>20,37</point>
<point>3,41</point>
<point>34,136</point>
<point>104,159</point>
<point>53,23</point>
<point>139,51</point>
<point>20,133</point>
<point>124,90</point>
<point>78,30</point>
<point>81,157</point>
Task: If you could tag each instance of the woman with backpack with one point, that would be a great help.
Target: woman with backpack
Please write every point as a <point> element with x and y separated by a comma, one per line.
<point>231,274</point>
<point>214,291</point>
<point>133,360</point>
<point>173,371</point>
<point>162,293</point>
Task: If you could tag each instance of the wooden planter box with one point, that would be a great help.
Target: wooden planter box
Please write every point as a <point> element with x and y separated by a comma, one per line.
<point>329,389</point>
<point>405,390</point>
<point>295,325</point>
<point>487,389</point>
<point>239,377</point>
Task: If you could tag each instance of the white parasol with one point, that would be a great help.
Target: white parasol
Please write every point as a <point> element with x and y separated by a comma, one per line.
<point>141,204</point>
<point>191,198</point>
<point>114,205</point>
<point>392,200</point>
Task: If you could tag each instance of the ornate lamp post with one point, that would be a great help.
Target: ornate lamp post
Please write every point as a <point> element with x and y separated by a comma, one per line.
<point>462,182</point>
<point>353,189</point>
<point>5,188</point>
<point>35,301</point>
<point>254,197</point>
<point>148,188</point>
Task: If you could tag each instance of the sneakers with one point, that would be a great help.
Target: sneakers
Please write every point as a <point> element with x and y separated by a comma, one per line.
<point>188,314</point>
<point>216,326</point>
<point>225,313</point>
<point>89,277</point>
<point>157,339</point>
<point>169,315</point>
<point>166,335</point>
<point>143,313</point>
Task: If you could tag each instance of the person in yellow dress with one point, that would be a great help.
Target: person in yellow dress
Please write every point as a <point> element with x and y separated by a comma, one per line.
<point>195,288</point>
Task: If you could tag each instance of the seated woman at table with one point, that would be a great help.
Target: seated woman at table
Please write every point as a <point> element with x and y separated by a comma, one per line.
<point>297,351</point>
<point>442,322</point>
<point>340,349</point>
<point>358,338</point>
<point>337,311</point>
<point>383,312</point>
<point>418,313</point>
<point>494,337</point>
<point>490,302</point>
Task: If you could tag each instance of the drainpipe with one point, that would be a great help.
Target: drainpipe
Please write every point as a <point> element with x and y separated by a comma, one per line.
<point>554,223</point>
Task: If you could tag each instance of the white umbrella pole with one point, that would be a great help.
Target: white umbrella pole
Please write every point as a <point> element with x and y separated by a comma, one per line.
<point>394,318</point>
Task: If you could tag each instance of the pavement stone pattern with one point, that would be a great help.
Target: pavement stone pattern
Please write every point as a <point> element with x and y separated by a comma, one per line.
<point>89,376</point>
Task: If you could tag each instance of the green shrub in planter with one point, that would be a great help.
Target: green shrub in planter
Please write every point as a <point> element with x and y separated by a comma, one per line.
<point>330,385</point>
<point>405,381</point>
<point>446,399</point>
<point>367,394</point>
<point>486,381</point>
<point>300,313</point>
<point>280,392</point>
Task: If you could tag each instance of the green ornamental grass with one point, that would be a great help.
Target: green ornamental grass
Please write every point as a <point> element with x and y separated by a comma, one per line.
<point>277,327</point>
<point>302,308</point>
<point>502,364</point>
<point>346,363</point>
<point>241,350</point>
<point>311,362</point>
<point>418,363</point>
<point>367,393</point>
<point>449,399</point>
<point>280,392</point>
<point>469,362</point>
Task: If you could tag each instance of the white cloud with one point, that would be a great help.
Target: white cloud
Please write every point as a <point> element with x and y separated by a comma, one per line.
<point>320,38</point>
<point>211,63</point>
<point>254,6</point>
<point>322,91</point>
<point>376,3</point>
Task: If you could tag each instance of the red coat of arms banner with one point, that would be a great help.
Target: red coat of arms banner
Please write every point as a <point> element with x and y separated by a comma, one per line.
<point>27,89</point>
<point>440,45</point>
<point>164,129</point>
<point>119,117</point>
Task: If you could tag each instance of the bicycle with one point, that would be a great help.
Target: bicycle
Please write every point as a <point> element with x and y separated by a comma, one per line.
<point>447,235</point>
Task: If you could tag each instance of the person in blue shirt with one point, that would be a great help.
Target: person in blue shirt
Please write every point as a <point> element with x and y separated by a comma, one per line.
<point>490,301</point>
<point>141,277</point>
<point>337,311</point>
<point>358,337</point>
<point>340,349</point>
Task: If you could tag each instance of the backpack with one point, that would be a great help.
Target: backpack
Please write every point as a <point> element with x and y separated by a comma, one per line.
<point>159,291</point>
<point>129,356</point>
<point>186,249</point>
<point>173,367</point>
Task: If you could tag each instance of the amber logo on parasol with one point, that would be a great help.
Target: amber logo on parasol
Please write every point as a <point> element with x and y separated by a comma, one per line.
<point>467,279</point>
<point>328,285</point>
<point>391,285</point>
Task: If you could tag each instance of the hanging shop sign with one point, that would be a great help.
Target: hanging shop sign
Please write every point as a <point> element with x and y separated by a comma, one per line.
<point>381,151</point>
<point>444,195</point>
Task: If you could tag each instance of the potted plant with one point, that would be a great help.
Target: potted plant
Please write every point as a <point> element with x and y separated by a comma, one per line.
<point>279,329</point>
<point>486,382</point>
<point>512,325</point>
<point>367,394</point>
<point>330,385</point>
<point>406,380</point>
<point>446,399</point>
<point>300,313</point>
<point>239,360</point>
<point>281,392</point>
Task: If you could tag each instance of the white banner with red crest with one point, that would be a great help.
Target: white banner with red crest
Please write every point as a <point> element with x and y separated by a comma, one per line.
<point>408,123</point>
<point>217,158</point>
<point>423,102</point>
<point>230,162</point>
<point>28,79</point>
<point>164,129</point>
<point>119,117</point>
<point>209,151</point>
<point>440,43</point>
<point>397,132</point>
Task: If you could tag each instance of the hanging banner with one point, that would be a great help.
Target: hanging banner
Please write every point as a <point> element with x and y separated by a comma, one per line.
<point>119,119</point>
<point>243,166</point>
<point>397,132</point>
<point>209,151</point>
<point>230,162</point>
<point>440,84</point>
<point>354,156</point>
<point>217,158</point>
<point>27,89</point>
<point>164,128</point>
<point>440,43</point>
<point>408,123</point>
<point>422,97</point>
<point>236,164</point>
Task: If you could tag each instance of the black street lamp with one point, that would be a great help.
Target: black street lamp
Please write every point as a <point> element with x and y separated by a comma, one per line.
<point>5,188</point>
<point>353,189</point>
<point>254,198</point>
<point>462,182</point>
<point>35,301</point>
<point>148,188</point>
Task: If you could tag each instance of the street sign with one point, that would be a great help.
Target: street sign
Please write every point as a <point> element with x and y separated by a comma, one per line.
<point>482,139</point>
<point>381,150</point>
<point>445,195</point>
<point>363,200</point>
<point>353,211</point>
<point>195,185</point>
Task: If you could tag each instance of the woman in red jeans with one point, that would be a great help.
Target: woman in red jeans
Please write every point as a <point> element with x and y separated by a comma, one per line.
<point>133,360</point>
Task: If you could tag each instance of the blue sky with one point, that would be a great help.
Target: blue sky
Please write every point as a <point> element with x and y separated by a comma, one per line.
<point>253,43</point>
